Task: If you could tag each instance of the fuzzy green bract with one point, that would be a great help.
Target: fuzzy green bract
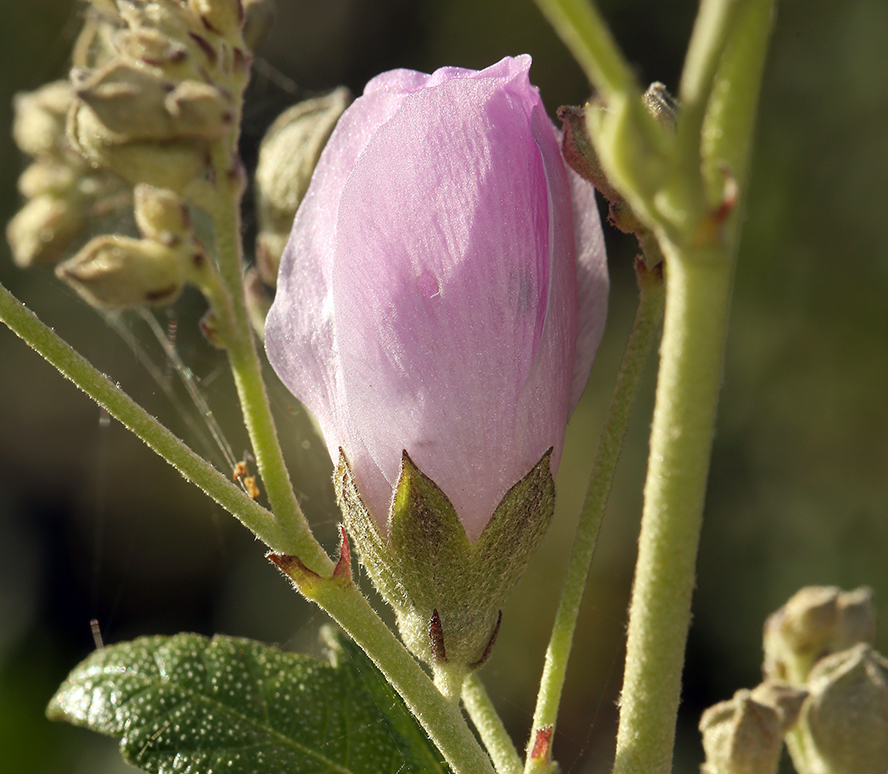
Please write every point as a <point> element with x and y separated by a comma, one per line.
<point>191,704</point>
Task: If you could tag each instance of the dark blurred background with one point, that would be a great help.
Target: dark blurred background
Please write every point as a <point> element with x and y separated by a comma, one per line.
<point>94,526</point>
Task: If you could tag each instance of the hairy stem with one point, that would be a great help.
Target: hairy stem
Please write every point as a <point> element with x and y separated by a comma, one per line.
<point>119,405</point>
<point>641,338</point>
<point>490,727</point>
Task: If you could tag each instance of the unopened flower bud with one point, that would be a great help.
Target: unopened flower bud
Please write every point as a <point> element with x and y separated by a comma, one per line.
<point>198,110</point>
<point>150,46</point>
<point>128,99</point>
<point>786,698</point>
<point>42,230</point>
<point>816,621</point>
<point>222,16</point>
<point>161,215</point>
<point>173,165</point>
<point>843,728</point>
<point>39,124</point>
<point>741,736</point>
<point>114,272</point>
<point>258,18</point>
<point>441,325</point>
<point>47,176</point>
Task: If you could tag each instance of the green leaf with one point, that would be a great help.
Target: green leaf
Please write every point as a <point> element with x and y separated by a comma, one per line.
<point>187,704</point>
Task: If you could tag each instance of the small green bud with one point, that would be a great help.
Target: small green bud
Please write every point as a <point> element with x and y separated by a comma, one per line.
<point>222,16</point>
<point>446,590</point>
<point>161,215</point>
<point>287,157</point>
<point>42,230</point>
<point>815,622</point>
<point>258,18</point>
<point>128,99</point>
<point>198,110</point>
<point>843,728</point>
<point>115,272</point>
<point>47,176</point>
<point>150,46</point>
<point>39,124</point>
<point>787,699</point>
<point>741,736</point>
<point>173,165</point>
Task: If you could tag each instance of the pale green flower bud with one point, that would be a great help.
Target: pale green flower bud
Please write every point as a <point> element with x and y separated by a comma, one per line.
<point>144,44</point>
<point>42,230</point>
<point>114,272</point>
<point>258,18</point>
<point>815,622</point>
<point>169,165</point>
<point>287,157</point>
<point>161,215</point>
<point>47,176</point>
<point>742,736</point>
<point>39,124</point>
<point>843,728</point>
<point>786,698</point>
<point>198,110</point>
<point>128,99</point>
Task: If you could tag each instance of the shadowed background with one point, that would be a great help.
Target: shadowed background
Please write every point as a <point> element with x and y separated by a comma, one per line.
<point>93,525</point>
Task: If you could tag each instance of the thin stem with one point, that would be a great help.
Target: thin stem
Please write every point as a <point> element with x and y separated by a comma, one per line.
<point>641,338</point>
<point>697,299</point>
<point>119,405</point>
<point>490,727</point>
<point>224,209</point>
<point>582,29</point>
<point>442,719</point>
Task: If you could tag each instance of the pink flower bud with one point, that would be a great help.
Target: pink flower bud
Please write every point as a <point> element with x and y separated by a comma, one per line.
<point>444,287</point>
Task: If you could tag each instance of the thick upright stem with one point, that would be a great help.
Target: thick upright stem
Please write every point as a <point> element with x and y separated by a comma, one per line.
<point>490,727</point>
<point>698,285</point>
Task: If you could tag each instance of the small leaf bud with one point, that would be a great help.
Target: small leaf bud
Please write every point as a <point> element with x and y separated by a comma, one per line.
<point>816,621</point>
<point>741,736</point>
<point>42,230</point>
<point>115,272</point>
<point>39,124</point>
<point>161,215</point>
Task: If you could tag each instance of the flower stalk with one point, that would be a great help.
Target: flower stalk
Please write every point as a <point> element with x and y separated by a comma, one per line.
<point>641,338</point>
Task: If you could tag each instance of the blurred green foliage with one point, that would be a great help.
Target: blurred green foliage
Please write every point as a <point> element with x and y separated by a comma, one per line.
<point>93,526</point>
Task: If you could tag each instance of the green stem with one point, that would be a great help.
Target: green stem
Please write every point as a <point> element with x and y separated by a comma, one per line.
<point>224,209</point>
<point>490,727</point>
<point>641,337</point>
<point>698,289</point>
<point>582,29</point>
<point>119,405</point>
<point>442,719</point>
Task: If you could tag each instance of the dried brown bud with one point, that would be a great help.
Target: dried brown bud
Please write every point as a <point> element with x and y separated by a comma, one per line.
<point>114,272</point>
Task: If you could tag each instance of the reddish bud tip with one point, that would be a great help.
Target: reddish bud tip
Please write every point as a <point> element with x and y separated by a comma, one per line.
<point>542,743</point>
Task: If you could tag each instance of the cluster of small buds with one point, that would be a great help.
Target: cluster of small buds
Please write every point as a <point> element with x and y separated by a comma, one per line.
<point>156,86</point>
<point>64,194</point>
<point>825,693</point>
<point>157,81</point>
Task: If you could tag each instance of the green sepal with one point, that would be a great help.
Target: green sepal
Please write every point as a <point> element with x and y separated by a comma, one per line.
<point>446,590</point>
